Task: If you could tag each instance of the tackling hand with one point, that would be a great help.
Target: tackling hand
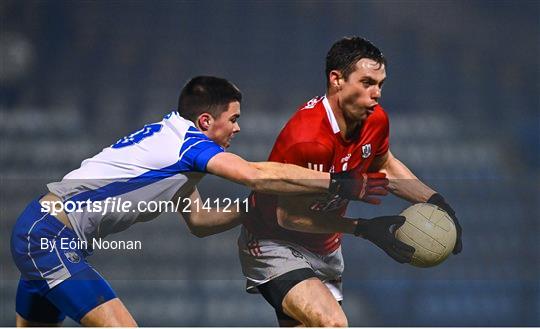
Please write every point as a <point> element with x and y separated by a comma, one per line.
<point>355,185</point>
<point>381,231</point>
<point>439,201</point>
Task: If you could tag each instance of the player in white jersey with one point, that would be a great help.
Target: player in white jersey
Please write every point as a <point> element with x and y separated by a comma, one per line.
<point>162,161</point>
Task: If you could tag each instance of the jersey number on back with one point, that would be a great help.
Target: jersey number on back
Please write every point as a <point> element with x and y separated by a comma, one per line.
<point>137,136</point>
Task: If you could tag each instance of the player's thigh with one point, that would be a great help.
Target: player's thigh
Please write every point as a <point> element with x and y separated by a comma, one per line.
<point>112,313</point>
<point>312,303</point>
<point>87,298</point>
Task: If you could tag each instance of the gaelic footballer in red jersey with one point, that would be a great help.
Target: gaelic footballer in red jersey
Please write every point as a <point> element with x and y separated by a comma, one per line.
<point>290,248</point>
<point>312,139</point>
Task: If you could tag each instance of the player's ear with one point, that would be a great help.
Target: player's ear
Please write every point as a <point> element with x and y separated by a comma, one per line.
<point>336,78</point>
<point>204,121</point>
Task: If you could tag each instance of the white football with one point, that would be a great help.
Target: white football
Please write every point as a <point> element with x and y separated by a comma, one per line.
<point>431,231</point>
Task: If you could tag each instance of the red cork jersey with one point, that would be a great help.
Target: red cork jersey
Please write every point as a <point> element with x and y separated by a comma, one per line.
<point>312,139</point>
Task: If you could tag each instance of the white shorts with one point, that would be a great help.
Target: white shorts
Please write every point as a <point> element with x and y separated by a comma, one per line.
<point>264,259</point>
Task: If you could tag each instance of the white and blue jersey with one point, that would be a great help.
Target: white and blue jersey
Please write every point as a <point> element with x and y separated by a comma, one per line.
<point>159,162</point>
<point>156,163</point>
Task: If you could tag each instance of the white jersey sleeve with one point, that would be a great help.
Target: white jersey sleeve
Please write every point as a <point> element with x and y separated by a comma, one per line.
<point>153,164</point>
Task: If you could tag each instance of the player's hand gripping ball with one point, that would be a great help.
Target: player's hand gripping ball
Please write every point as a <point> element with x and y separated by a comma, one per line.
<point>431,231</point>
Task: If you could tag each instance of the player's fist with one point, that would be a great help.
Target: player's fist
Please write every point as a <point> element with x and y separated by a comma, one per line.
<point>381,231</point>
<point>356,185</point>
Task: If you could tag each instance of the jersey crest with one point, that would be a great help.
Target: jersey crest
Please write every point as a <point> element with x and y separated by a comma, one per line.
<point>366,151</point>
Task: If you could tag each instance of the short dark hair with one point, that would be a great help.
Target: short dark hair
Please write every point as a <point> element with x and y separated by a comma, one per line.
<point>345,53</point>
<point>207,94</point>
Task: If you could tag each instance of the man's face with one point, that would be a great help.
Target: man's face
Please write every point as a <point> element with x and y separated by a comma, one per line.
<point>222,129</point>
<point>360,92</point>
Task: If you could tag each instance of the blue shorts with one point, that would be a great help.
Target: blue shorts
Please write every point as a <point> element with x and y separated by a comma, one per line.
<point>56,280</point>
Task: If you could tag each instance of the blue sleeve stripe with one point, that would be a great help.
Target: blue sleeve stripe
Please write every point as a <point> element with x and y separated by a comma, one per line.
<point>195,135</point>
<point>201,161</point>
<point>192,140</point>
<point>191,146</point>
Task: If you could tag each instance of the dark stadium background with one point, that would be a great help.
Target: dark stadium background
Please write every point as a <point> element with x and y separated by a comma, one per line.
<point>462,95</point>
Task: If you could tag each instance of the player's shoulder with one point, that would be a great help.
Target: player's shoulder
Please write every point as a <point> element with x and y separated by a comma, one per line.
<point>307,134</point>
<point>379,117</point>
<point>311,110</point>
<point>310,122</point>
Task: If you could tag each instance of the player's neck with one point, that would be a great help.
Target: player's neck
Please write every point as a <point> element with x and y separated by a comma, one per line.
<point>348,130</point>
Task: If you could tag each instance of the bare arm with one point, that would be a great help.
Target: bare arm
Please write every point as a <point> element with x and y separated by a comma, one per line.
<point>403,182</point>
<point>268,177</point>
<point>202,222</point>
<point>293,213</point>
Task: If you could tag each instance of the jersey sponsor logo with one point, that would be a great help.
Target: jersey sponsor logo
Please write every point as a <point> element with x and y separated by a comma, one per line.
<point>345,162</point>
<point>366,151</point>
<point>72,257</point>
<point>311,103</point>
<point>315,166</point>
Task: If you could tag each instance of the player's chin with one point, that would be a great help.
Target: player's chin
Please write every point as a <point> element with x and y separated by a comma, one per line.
<point>361,116</point>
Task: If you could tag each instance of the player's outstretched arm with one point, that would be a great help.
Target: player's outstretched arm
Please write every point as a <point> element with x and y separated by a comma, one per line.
<point>281,178</point>
<point>402,182</point>
<point>205,222</point>
<point>268,177</point>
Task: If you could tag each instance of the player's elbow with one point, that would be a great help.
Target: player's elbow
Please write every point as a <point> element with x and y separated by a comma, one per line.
<point>256,182</point>
<point>261,178</point>
<point>257,185</point>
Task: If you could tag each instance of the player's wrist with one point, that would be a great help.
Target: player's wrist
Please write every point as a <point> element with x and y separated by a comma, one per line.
<point>360,228</point>
<point>337,183</point>
<point>438,200</point>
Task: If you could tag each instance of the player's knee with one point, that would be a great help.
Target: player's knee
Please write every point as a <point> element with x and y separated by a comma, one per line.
<point>332,320</point>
